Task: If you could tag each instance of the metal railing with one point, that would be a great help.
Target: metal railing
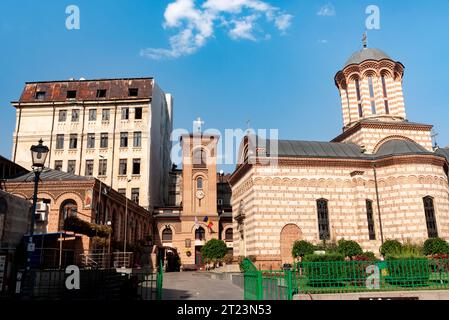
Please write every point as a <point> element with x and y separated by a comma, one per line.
<point>347,277</point>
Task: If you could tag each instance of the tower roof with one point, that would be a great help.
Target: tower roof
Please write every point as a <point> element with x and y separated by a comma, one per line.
<point>366,54</point>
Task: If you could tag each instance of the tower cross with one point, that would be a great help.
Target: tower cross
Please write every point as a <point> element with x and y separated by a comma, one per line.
<point>197,124</point>
<point>365,40</point>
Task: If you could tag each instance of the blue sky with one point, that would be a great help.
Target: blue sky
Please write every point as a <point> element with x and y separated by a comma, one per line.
<point>275,75</point>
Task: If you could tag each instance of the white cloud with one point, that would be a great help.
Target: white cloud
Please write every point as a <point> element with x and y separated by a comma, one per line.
<point>327,10</point>
<point>323,41</point>
<point>196,22</point>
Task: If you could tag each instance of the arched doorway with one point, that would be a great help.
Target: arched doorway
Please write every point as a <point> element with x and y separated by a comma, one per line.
<point>289,234</point>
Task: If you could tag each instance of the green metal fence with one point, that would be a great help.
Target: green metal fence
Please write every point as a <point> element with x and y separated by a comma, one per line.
<point>160,278</point>
<point>346,277</point>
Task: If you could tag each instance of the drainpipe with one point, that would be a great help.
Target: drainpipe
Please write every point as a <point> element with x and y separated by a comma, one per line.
<point>378,204</point>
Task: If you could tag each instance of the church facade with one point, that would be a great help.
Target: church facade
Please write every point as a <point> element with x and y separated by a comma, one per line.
<point>380,179</point>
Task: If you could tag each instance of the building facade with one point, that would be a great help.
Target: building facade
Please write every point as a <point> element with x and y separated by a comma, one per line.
<point>62,195</point>
<point>117,130</point>
<point>379,179</point>
<point>200,208</point>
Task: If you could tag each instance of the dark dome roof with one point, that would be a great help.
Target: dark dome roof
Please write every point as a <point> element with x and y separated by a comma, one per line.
<point>366,54</point>
<point>398,147</point>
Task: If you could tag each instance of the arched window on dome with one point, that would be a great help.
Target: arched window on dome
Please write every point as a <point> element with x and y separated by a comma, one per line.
<point>359,97</point>
<point>371,95</point>
<point>385,93</point>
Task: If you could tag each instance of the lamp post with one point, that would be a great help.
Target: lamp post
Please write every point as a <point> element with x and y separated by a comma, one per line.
<point>38,155</point>
<point>109,224</point>
<point>126,223</point>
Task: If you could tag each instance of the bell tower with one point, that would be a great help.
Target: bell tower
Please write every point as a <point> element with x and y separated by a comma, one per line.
<point>199,154</point>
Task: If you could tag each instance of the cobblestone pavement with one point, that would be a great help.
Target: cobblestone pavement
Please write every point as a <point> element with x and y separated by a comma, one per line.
<point>198,286</point>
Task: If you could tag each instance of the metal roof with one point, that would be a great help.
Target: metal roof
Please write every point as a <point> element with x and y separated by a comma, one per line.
<point>443,152</point>
<point>51,175</point>
<point>366,54</point>
<point>401,147</point>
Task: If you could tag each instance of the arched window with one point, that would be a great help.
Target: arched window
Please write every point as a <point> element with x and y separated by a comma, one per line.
<point>323,220</point>
<point>68,208</point>
<point>199,184</point>
<point>384,89</point>
<point>229,237</point>
<point>359,97</point>
<point>369,214</point>
<point>431,222</point>
<point>371,95</point>
<point>200,234</point>
<point>167,235</point>
<point>199,158</point>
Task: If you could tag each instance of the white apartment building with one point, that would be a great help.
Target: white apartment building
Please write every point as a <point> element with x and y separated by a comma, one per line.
<point>117,130</point>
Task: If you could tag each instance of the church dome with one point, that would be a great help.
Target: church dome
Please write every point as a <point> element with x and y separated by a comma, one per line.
<point>366,54</point>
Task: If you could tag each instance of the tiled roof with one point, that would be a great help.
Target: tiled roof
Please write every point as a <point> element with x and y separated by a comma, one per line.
<point>51,175</point>
<point>366,54</point>
<point>86,90</point>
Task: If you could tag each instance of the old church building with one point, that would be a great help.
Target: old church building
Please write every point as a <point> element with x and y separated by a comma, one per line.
<point>379,179</point>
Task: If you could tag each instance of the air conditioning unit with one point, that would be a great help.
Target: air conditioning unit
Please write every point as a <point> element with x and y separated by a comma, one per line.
<point>41,206</point>
<point>40,216</point>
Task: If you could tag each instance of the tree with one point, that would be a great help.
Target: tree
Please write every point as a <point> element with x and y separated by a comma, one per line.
<point>349,248</point>
<point>214,250</point>
<point>390,247</point>
<point>302,248</point>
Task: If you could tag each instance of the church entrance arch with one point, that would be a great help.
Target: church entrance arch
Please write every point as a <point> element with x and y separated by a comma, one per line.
<point>289,234</point>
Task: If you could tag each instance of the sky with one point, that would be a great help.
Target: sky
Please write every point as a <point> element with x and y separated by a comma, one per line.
<point>231,62</point>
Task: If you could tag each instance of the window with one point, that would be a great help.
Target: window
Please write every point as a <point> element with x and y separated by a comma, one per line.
<point>359,97</point>
<point>73,141</point>
<point>200,234</point>
<point>199,183</point>
<point>138,114</point>
<point>75,115</point>
<point>92,114</point>
<point>59,141</point>
<point>123,139</point>
<point>102,168</point>
<point>135,195</point>
<point>68,208</point>
<point>125,113</point>
<point>199,158</point>
<point>71,165</point>
<point>220,202</point>
<point>133,92</point>
<point>104,140</point>
<point>89,168</point>
<point>323,220</point>
<point>229,236</point>
<point>430,217</point>
<point>167,235</point>
<point>122,191</point>
<point>384,88</point>
<point>40,95</point>
<point>90,140</point>
<point>136,166</point>
<point>71,94</point>
<point>58,165</point>
<point>62,115</point>
<point>371,94</point>
<point>101,93</point>
<point>122,167</point>
<point>369,214</point>
<point>137,141</point>
<point>105,114</point>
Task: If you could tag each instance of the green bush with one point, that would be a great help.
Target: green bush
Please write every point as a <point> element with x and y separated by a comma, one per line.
<point>328,247</point>
<point>324,257</point>
<point>365,256</point>
<point>435,246</point>
<point>214,250</point>
<point>390,247</point>
<point>77,225</point>
<point>349,248</point>
<point>302,248</point>
<point>228,258</point>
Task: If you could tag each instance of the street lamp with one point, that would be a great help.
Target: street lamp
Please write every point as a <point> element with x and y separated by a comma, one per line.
<point>38,155</point>
<point>109,224</point>
<point>126,222</point>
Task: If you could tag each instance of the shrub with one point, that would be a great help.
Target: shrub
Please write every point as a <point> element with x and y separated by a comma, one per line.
<point>214,250</point>
<point>349,248</point>
<point>435,246</point>
<point>365,256</point>
<point>228,258</point>
<point>77,225</point>
<point>302,248</point>
<point>329,257</point>
<point>328,247</point>
<point>390,247</point>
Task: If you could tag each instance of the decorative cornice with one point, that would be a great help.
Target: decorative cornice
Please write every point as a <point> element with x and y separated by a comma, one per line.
<point>382,125</point>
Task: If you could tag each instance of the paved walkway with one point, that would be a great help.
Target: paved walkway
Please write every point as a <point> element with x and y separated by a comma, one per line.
<point>198,286</point>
